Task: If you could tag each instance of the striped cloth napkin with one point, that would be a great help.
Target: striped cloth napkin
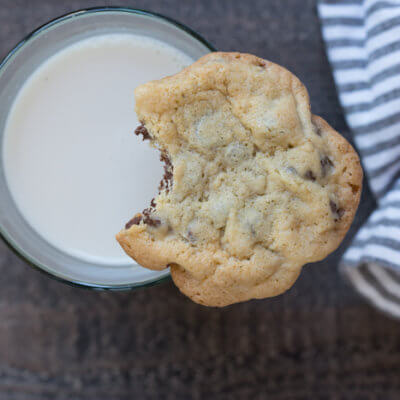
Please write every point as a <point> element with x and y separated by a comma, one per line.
<point>362,39</point>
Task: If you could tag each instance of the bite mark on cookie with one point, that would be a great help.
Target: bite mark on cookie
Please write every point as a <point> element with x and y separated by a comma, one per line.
<point>147,215</point>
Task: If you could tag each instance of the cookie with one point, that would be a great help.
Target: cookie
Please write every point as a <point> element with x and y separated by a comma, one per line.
<point>255,186</point>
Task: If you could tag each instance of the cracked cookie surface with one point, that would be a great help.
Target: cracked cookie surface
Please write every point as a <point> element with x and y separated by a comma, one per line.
<point>255,185</point>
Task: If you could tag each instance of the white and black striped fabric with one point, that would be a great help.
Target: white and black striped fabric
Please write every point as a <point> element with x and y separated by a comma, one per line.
<point>362,39</point>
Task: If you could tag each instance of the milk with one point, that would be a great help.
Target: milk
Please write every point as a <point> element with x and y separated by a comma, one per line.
<point>73,165</point>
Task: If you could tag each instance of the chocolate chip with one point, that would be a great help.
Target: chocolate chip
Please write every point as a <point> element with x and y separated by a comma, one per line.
<point>191,236</point>
<point>148,219</point>
<point>326,165</point>
<point>166,182</point>
<point>141,130</point>
<point>152,203</point>
<point>338,212</point>
<point>310,176</point>
<point>165,159</point>
<point>154,222</point>
<point>261,63</point>
<point>134,221</point>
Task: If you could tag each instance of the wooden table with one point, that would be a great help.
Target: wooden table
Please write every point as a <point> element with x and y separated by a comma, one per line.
<point>318,341</point>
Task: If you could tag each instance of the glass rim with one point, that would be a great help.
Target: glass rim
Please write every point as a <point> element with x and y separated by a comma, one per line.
<point>31,261</point>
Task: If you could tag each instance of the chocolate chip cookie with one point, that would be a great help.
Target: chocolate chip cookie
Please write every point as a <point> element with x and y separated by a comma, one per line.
<point>255,186</point>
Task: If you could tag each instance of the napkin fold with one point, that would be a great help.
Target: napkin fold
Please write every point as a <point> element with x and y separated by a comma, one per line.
<point>362,39</point>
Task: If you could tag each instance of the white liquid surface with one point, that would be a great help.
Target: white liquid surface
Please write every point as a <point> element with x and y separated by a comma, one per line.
<point>74,167</point>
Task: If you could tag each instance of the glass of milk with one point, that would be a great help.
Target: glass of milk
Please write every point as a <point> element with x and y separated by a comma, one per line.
<point>72,172</point>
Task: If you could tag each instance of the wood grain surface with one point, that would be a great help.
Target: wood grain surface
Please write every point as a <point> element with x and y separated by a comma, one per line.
<point>318,341</point>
